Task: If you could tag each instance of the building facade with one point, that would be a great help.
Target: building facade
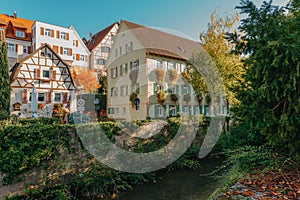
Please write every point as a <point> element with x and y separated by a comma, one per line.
<point>64,41</point>
<point>18,37</point>
<point>147,64</point>
<point>45,70</point>
<point>100,47</point>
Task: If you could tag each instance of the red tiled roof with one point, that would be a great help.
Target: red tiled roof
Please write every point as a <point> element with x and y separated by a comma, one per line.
<point>12,23</point>
<point>98,37</point>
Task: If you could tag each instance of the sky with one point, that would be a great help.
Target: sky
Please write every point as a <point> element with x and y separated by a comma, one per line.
<point>189,17</point>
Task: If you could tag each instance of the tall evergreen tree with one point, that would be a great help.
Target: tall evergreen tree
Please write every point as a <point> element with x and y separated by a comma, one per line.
<point>270,100</point>
<point>4,82</point>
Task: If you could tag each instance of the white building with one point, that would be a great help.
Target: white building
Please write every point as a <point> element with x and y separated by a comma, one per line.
<point>100,47</point>
<point>65,42</point>
<point>18,37</point>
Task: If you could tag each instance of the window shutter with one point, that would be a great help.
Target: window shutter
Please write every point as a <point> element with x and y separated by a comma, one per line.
<point>130,65</point>
<point>77,57</point>
<point>42,31</point>
<point>64,97</point>
<point>138,62</point>
<point>71,52</point>
<point>55,48</point>
<point>24,96</point>
<point>29,49</point>
<point>48,97</point>
<point>126,68</point>
<point>182,89</point>
<point>165,110</point>
<point>53,75</point>
<point>116,72</point>
<point>57,34</point>
<point>37,73</point>
<point>76,43</point>
<point>177,89</point>
<point>86,58</point>
<point>177,109</point>
<point>200,110</point>
<point>67,36</point>
<point>111,70</point>
<point>205,110</point>
<point>61,50</point>
<point>155,111</point>
<point>16,47</point>
<point>52,33</point>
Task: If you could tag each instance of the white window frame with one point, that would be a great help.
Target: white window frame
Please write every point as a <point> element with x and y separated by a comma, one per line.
<point>101,61</point>
<point>185,90</point>
<point>124,111</point>
<point>160,64</point>
<point>54,98</point>
<point>67,51</point>
<point>44,94</point>
<point>81,57</point>
<point>173,110</point>
<point>11,47</point>
<point>20,34</point>
<point>114,72</point>
<point>48,32</point>
<point>123,70</point>
<point>117,110</point>
<point>63,35</point>
<point>160,111</point>
<point>124,89</point>
<point>185,109</point>
<point>114,92</point>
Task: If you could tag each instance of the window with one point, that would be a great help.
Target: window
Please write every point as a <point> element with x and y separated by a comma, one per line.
<point>116,52</point>
<point>63,35</point>
<point>135,64</point>
<point>172,89</point>
<point>129,47</point>
<point>170,65</point>
<point>124,90</point>
<point>74,56</point>
<point>182,67</point>
<point>48,32</point>
<point>124,69</point>
<point>117,110</point>
<point>159,111</point>
<point>46,73</point>
<point>111,111</point>
<point>24,49</point>
<point>159,64</point>
<point>57,97</point>
<point>197,110</point>
<point>82,57</point>
<point>124,111</point>
<point>11,47</point>
<point>172,110</point>
<point>1,29</point>
<point>120,50</point>
<point>67,51</point>
<point>177,67</point>
<point>105,49</point>
<point>114,92</point>
<point>185,109</point>
<point>185,89</point>
<point>41,96</point>
<point>114,72</point>
<point>20,34</point>
<point>100,61</point>
<point>74,43</point>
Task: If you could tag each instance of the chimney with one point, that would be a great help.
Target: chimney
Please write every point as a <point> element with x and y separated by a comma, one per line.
<point>15,15</point>
<point>91,36</point>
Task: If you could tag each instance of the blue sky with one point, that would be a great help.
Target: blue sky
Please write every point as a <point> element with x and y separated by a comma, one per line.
<point>189,17</point>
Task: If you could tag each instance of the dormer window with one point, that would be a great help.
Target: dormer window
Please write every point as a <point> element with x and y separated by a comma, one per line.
<point>20,34</point>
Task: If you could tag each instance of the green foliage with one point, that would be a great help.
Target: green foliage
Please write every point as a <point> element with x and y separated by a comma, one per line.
<point>28,145</point>
<point>4,83</point>
<point>270,98</point>
<point>219,56</point>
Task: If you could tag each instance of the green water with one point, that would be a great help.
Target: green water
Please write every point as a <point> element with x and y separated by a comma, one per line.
<point>179,185</point>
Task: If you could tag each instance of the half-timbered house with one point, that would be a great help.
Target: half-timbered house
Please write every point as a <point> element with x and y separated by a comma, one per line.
<point>45,70</point>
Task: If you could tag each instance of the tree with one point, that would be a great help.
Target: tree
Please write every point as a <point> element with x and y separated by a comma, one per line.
<point>86,78</point>
<point>270,98</point>
<point>219,50</point>
<point>4,82</point>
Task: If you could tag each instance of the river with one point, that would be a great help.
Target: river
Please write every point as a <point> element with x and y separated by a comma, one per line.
<point>179,185</point>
